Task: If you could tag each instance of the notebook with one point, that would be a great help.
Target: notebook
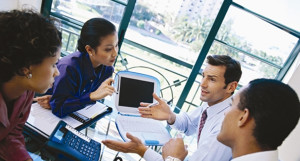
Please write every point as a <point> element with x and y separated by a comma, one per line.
<point>44,121</point>
<point>89,112</point>
<point>133,88</point>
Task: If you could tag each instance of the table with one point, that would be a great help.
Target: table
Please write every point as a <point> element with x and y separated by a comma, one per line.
<point>105,128</point>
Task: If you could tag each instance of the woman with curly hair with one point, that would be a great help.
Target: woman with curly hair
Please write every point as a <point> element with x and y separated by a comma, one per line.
<point>29,50</point>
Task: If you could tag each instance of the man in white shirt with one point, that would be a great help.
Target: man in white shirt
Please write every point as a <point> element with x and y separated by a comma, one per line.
<point>262,115</point>
<point>220,79</point>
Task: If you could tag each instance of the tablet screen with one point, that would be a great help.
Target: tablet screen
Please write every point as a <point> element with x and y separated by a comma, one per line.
<point>133,91</point>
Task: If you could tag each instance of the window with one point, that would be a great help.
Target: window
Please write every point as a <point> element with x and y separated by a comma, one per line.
<point>164,39</point>
<point>82,10</point>
<point>163,36</point>
<point>74,13</point>
<point>170,38</point>
<point>285,12</point>
<point>266,46</point>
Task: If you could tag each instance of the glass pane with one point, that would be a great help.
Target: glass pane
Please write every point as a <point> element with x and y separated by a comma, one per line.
<point>123,1</point>
<point>255,36</point>
<point>83,10</point>
<point>168,73</point>
<point>285,12</point>
<point>117,1</point>
<point>175,28</point>
<point>170,28</point>
<point>251,67</point>
<point>70,37</point>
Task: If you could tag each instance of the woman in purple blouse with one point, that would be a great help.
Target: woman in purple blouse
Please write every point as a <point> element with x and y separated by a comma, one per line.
<point>29,50</point>
<point>85,74</point>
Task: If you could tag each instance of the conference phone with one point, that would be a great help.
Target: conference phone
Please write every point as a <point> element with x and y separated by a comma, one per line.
<point>69,143</point>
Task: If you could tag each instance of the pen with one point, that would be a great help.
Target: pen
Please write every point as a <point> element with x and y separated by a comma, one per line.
<point>153,104</point>
<point>156,103</point>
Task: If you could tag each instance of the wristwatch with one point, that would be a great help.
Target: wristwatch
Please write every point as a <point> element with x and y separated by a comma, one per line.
<point>169,158</point>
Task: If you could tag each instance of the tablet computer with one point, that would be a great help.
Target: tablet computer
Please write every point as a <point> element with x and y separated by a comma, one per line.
<point>133,88</point>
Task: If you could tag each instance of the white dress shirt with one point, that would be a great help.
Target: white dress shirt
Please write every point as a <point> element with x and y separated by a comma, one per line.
<point>209,148</point>
<point>263,156</point>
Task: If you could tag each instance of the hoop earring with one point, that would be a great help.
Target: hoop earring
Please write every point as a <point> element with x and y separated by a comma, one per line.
<point>29,76</point>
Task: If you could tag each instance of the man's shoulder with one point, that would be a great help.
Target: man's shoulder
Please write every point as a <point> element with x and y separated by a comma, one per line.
<point>224,104</point>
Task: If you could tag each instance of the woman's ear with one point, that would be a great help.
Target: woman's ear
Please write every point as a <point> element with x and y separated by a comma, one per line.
<point>26,72</point>
<point>89,50</point>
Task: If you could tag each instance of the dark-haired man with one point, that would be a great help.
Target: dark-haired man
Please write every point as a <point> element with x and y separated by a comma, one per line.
<point>262,115</point>
<point>220,79</point>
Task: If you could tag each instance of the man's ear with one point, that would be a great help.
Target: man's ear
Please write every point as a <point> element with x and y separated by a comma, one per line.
<point>89,50</point>
<point>232,86</point>
<point>244,118</point>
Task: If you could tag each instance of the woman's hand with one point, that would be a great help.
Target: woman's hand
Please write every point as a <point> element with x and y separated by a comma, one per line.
<point>104,90</point>
<point>44,101</point>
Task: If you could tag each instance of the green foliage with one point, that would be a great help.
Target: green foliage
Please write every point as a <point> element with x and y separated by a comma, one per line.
<point>275,59</point>
<point>190,33</point>
<point>56,3</point>
<point>157,32</point>
<point>194,34</point>
<point>142,12</point>
<point>267,71</point>
<point>141,24</point>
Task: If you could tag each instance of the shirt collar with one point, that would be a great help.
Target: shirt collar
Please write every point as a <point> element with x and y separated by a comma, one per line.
<point>271,155</point>
<point>3,112</point>
<point>219,107</point>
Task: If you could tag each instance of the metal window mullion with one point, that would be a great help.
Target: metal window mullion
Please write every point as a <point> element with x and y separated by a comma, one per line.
<point>69,37</point>
<point>190,103</point>
<point>67,23</point>
<point>194,96</point>
<point>46,7</point>
<point>67,20</point>
<point>125,21</point>
<point>295,52</point>
<point>69,31</point>
<point>124,24</point>
<point>165,56</point>
<point>119,2</point>
<point>169,70</point>
<point>176,82</point>
<point>249,54</point>
<point>203,53</point>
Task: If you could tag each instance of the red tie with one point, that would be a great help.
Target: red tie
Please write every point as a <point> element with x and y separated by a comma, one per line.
<point>202,122</point>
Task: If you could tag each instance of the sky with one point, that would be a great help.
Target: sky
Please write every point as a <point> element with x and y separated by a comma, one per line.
<point>286,12</point>
<point>262,35</point>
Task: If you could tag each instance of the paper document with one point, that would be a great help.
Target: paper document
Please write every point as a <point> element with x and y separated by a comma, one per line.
<point>151,132</point>
<point>44,120</point>
<point>92,111</point>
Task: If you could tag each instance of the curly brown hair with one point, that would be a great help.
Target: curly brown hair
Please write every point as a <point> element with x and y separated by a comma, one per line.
<point>27,38</point>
